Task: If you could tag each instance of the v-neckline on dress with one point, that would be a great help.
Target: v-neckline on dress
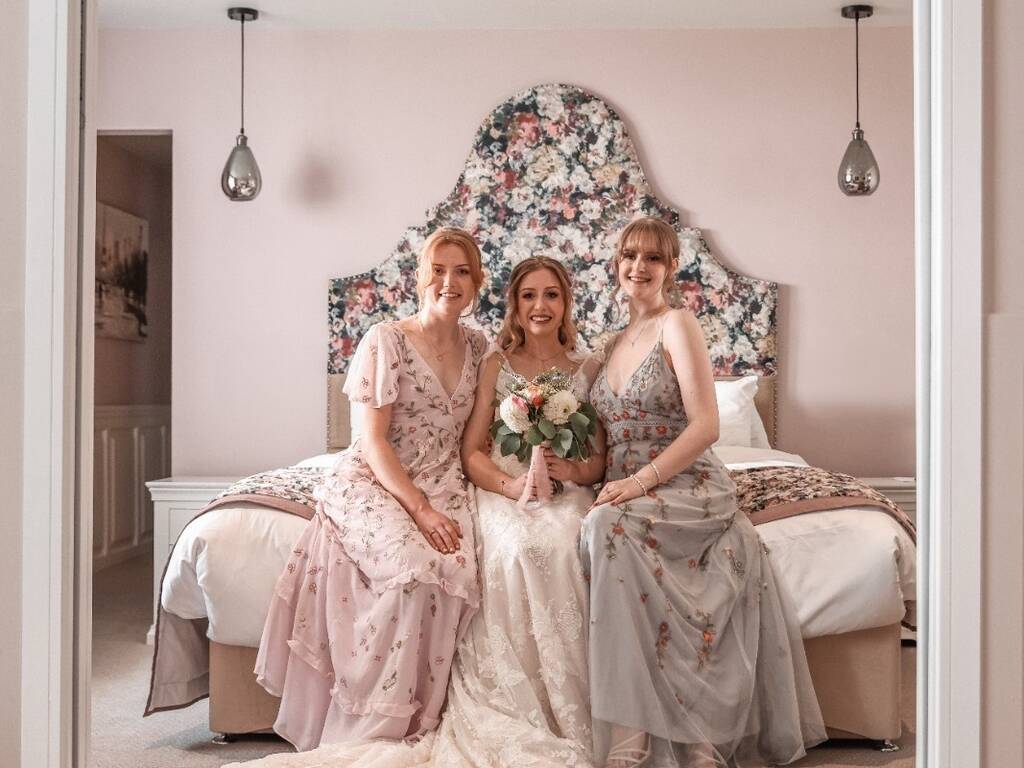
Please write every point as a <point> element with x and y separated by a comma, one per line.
<point>629,379</point>
<point>505,362</point>
<point>433,373</point>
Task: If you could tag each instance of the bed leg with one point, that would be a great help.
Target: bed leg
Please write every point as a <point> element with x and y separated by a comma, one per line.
<point>223,738</point>
<point>887,745</point>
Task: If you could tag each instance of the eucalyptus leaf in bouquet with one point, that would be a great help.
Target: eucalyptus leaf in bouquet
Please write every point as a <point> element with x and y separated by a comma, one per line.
<point>544,410</point>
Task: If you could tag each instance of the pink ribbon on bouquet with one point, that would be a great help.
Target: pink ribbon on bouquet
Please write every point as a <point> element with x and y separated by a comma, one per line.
<point>536,475</point>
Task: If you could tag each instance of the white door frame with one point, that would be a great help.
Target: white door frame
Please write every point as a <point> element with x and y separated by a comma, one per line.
<point>50,445</point>
<point>56,541</point>
<point>948,135</point>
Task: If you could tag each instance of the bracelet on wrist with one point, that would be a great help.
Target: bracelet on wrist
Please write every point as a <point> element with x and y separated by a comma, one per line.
<point>657,472</point>
<point>638,481</point>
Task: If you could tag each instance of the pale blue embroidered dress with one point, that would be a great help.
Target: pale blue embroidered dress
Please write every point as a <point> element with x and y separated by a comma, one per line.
<point>690,638</point>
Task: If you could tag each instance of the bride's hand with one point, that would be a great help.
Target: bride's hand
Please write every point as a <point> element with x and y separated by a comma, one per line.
<point>561,469</point>
<point>513,489</point>
<point>618,492</point>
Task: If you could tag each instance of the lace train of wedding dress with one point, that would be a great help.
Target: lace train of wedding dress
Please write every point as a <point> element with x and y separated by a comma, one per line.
<point>519,693</point>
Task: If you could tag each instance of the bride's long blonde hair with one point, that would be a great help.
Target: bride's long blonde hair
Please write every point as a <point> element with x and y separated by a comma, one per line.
<point>512,336</point>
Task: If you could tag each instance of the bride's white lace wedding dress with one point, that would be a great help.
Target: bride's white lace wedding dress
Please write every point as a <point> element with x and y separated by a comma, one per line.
<point>519,693</point>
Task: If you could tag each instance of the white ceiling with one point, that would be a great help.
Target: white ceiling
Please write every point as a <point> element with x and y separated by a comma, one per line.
<point>497,14</point>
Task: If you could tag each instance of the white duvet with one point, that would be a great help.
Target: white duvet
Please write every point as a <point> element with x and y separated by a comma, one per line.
<point>844,569</point>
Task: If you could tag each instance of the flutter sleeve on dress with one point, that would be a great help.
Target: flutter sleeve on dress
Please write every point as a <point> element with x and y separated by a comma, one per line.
<point>373,375</point>
<point>480,348</point>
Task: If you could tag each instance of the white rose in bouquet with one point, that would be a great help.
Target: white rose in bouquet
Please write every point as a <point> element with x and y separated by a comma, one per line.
<point>560,406</point>
<point>515,413</point>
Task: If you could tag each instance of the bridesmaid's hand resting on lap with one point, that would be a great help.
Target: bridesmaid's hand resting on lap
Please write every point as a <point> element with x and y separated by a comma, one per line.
<point>618,492</point>
<point>440,531</point>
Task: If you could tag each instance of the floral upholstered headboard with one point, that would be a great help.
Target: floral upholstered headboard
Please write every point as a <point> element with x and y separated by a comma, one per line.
<point>552,170</point>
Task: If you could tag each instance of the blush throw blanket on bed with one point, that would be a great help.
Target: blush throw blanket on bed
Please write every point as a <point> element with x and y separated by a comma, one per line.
<point>180,673</point>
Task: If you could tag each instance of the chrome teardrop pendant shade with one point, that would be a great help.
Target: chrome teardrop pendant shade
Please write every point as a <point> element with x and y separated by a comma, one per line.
<point>241,179</point>
<point>858,171</point>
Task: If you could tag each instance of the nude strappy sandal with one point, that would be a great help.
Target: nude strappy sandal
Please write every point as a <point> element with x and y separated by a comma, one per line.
<point>631,752</point>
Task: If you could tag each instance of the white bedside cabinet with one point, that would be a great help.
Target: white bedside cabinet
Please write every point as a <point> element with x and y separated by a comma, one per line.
<point>902,490</point>
<point>176,500</point>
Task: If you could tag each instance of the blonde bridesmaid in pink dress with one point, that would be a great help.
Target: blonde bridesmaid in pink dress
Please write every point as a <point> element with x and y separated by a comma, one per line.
<point>361,631</point>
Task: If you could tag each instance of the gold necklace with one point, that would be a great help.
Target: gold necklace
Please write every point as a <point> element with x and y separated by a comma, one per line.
<point>545,360</point>
<point>643,326</point>
<point>438,355</point>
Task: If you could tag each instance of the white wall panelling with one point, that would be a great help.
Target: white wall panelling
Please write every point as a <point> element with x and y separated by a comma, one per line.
<point>132,445</point>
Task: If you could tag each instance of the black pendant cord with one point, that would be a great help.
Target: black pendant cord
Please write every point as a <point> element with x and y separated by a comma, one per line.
<point>856,48</point>
<point>243,131</point>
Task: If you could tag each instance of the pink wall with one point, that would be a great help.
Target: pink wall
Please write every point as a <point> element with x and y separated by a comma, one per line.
<point>358,132</point>
<point>1002,648</point>
<point>131,372</point>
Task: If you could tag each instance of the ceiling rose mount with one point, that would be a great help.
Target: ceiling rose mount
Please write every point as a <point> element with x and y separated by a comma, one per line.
<point>251,14</point>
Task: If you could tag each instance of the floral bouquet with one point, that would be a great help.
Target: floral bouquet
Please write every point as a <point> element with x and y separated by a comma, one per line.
<point>543,411</point>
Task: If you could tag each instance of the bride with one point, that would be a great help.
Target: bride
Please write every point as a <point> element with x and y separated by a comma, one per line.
<point>518,694</point>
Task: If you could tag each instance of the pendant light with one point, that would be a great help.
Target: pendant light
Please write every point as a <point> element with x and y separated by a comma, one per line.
<point>241,178</point>
<point>858,172</point>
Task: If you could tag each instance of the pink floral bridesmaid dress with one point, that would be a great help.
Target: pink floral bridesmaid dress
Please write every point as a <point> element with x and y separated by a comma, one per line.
<point>364,621</point>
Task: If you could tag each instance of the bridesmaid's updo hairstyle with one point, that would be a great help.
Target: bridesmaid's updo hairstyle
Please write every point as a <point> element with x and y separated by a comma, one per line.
<point>453,236</point>
<point>651,234</point>
<point>511,336</point>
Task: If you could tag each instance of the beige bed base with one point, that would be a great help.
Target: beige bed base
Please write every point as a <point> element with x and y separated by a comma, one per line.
<point>856,676</point>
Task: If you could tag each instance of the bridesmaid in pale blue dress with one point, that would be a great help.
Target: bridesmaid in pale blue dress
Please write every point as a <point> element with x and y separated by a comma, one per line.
<point>695,655</point>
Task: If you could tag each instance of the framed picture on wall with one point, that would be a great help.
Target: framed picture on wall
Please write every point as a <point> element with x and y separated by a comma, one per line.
<point>122,255</point>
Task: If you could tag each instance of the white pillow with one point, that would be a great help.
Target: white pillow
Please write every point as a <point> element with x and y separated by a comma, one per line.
<point>758,434</point>
<point>324,460</point>
<point>739,423</point>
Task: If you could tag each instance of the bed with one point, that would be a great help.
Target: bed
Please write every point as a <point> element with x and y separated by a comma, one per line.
<point>553,170</point>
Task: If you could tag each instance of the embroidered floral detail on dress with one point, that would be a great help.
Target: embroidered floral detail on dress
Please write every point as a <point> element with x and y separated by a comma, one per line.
<point>700,479</point>
<point>661,644</point>
<point>736,563</point>
<point>707,639</point>
<point>617,529</point>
